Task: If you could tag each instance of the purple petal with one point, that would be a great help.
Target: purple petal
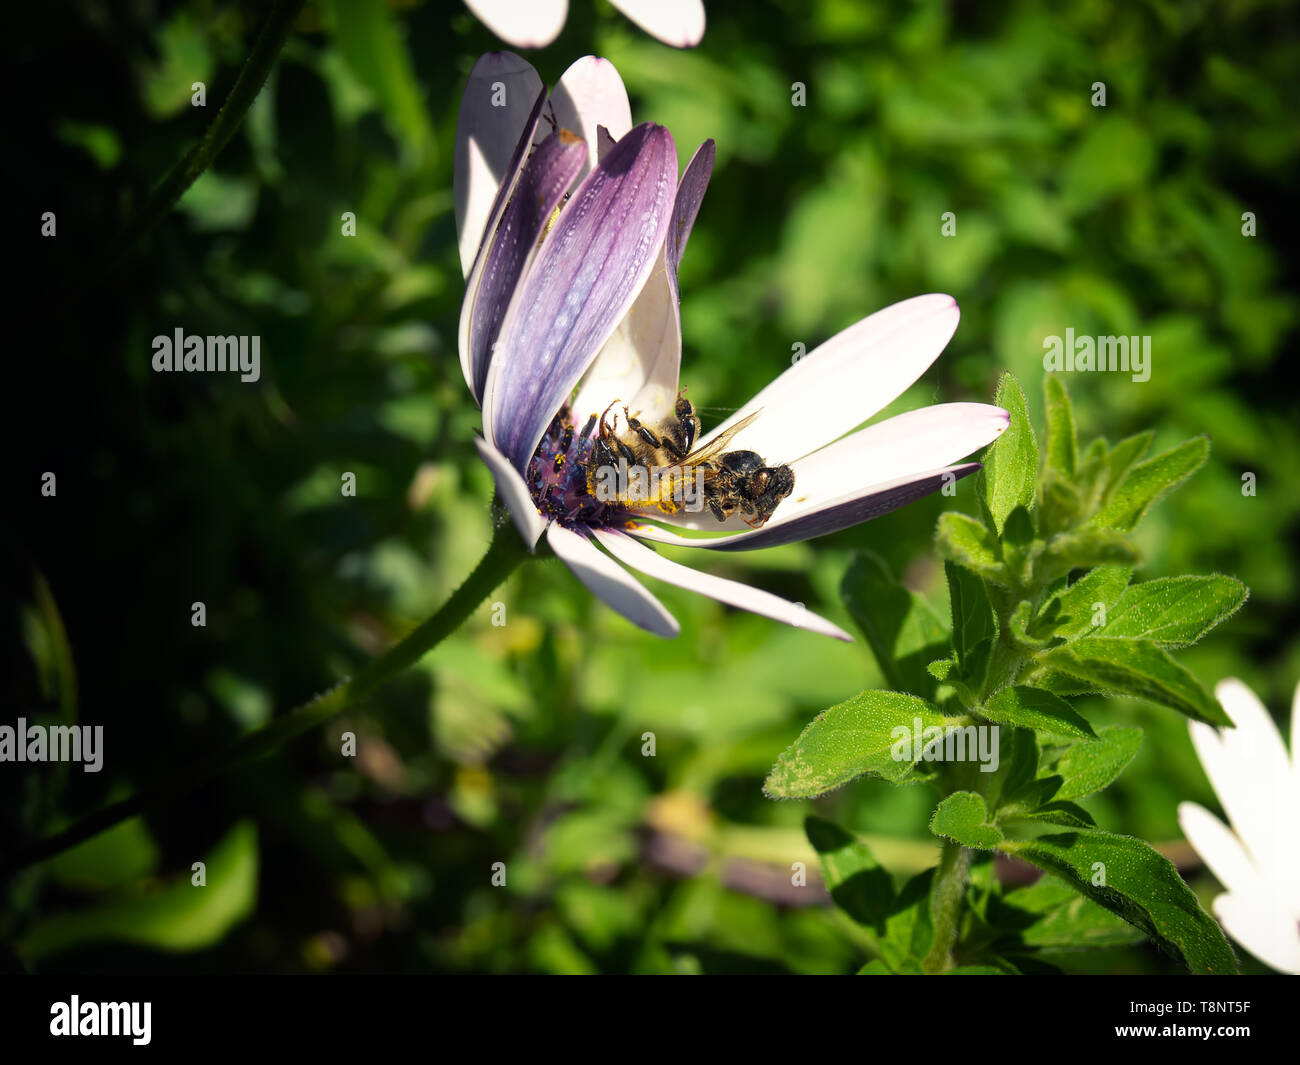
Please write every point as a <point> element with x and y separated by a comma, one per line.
<point>514,169</point>
<point>589,271</point>
<point>494,114</point>
<point>546,177</point>
<point>641,362</point>
<point>690,194</point>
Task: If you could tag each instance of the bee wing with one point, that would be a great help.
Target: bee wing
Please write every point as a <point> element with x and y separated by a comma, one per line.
<point>716,447</point>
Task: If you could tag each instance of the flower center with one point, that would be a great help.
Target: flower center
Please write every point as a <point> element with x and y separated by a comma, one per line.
<point>557,474</point>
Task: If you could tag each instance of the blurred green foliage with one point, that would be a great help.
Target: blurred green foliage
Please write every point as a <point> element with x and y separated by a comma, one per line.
<point>523,743</point>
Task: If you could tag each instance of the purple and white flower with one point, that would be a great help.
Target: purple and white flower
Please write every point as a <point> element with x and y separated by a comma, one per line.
<point>536,23</point>
<point>572,223</point>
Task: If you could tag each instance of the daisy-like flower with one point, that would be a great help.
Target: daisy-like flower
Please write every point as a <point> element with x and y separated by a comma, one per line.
<point>572,224</point>
<point>536,23</point>
<point>1258,859</point>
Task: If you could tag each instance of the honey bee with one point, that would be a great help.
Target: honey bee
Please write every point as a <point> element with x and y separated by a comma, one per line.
<point>727,482</point>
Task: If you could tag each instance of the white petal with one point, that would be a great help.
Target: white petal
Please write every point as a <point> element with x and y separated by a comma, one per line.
<point>1251,775</point>
<point>642,558</point>
<point>514,491</point>
<point>485,140</point>
<point>1218,848</point>
<point>840,384</point>
<point>610,583</point>
<point>590,94</point>
<point>1268,932</point>
<point>523,23</point>
<point>1295,735</point>
<point>650,334</point>
<point>679,23</point>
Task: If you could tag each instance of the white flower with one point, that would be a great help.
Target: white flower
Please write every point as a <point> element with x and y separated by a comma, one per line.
<point>1258,859</point>
<point>536,23</point>
<point>572,223</point>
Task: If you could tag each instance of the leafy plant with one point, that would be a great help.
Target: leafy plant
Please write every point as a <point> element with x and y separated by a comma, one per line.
<point>1043,610</point>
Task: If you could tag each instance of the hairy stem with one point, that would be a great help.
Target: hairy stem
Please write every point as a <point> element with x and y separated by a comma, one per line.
<point>946,896</point>
<point>187,170</point>
<point>503,555</point>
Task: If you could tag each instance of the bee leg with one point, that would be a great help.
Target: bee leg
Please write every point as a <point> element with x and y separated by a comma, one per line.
<point>718,512</point>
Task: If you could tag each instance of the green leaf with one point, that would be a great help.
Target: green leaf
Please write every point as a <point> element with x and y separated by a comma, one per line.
<point>177,917</point>
<point>963,818</point>
<point>1059,918</point>
<point>909,929</point>
<point>1088,767</point>
<point>1133,880</point>
<point>1056,812</point>
<point>973,627</point>
<point>1021,768</point>
<point>1140,668</point>
<point>1075,605</point>
<point>1011,464</point>
<point>863,735</point>
<point>904,632</point>
<point>1062,443</point>
<point>1060,505</point>
<point>965,541</point>
<point>1174,611</point>
<point>1086,548</point>
<point>855,880</point>
<point>1025,707</point>
<point>1124,454</point>
<point>1148,481</point>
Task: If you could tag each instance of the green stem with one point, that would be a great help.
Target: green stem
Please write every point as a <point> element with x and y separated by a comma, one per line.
<point>187,170</point>
<point>946,894</point>
<point>503,555</point>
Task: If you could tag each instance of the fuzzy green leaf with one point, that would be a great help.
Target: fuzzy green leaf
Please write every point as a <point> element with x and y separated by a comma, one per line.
<point>851,739</point>
<point>963,818</point>
<point>973,627</point>
<point>855,880</point>
<point>1062,443</point>
<point>904,632</point>
<point>1071,611</point>
<point>1136,667</point>
<point>1086,768</point>
<point>1011,464</point>
<point>1174,611</point>
<point>1025,707</point>
<point>1146,482</point>
<point>963,540</point>
<point>1136,882</point>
